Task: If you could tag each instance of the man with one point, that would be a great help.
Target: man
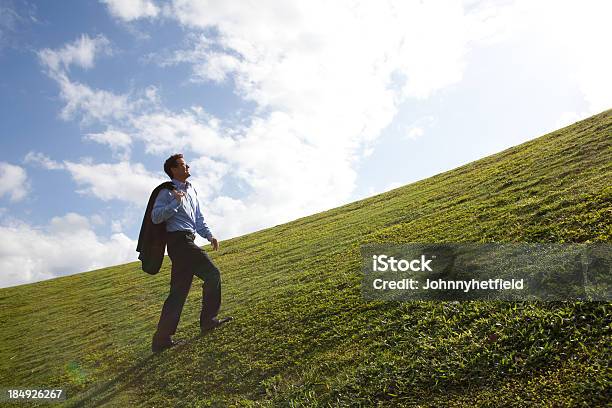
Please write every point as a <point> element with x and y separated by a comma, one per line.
<point>179,209</point>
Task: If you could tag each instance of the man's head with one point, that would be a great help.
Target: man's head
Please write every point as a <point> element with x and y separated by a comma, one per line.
<point>176,168</point>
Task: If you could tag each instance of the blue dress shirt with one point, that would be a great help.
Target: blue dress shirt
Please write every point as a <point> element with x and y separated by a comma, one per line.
<point>180,216</point>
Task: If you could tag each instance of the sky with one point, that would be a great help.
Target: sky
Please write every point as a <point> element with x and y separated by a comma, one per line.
<point>282,108</point>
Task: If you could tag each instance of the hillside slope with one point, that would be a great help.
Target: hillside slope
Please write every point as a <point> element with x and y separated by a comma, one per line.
<point>303,335</point>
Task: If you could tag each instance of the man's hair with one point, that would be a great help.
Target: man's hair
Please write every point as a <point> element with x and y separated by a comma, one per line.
<point>171,162</point>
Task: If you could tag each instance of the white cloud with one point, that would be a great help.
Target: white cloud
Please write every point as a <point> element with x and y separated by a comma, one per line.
<point>13,182</point>
<point>208,177</point>
<point>97,220</point>
<point>80,99</point>
<point>325,86</point>
<point>80,52</point>
<point>40,159</point>
<point>92,104</point>
<point>131,183</point>
<point>116,226</point>
<point>123,181</point>
<point>575,36</point>
<point>583,46</point>
<point>113,138</point>
<point>164,132</point>
<point>65,246</point>
<point>9,20</point>
<point>17,19</point>
<point>323,95</point>
<point>207,63</point>
<point>418,128</point>
<point>284,174</point>
<point>118,141</point>
<point>415,132</point>
<point>284,53</point>
<point>128,10</point>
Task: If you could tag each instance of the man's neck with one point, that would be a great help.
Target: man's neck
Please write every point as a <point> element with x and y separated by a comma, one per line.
<point>180,180</point>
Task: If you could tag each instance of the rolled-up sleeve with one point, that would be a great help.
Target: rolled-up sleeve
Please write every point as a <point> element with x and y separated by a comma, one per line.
<point>165,207</point>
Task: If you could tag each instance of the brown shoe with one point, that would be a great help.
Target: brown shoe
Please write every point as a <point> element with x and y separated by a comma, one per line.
<point>214,324</point>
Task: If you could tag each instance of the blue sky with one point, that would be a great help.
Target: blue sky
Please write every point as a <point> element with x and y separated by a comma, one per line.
<point>282,108</point>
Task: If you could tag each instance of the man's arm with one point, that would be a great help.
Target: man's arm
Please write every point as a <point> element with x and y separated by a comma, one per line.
<point>166,205</point>
<point>202,228</point>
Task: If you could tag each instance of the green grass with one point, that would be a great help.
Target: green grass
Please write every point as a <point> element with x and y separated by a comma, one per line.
<point>303,335</point>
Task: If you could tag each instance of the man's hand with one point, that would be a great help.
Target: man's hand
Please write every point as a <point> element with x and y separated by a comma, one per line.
<point>178,195</point>
<point>215,243</point>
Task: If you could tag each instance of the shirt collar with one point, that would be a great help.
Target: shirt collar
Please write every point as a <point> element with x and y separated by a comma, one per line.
<point>180,184</point>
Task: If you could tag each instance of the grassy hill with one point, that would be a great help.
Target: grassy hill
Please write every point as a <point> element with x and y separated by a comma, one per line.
<point>303,335</point>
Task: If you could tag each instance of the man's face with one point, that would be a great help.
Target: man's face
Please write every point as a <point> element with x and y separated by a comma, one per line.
<point>181,171</point>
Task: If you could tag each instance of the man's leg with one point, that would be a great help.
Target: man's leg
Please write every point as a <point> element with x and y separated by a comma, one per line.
<point>180,282</point>
<point>211,292</point>
<point>205,269</point>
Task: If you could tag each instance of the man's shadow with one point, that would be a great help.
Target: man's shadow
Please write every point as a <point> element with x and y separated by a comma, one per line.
<point>103,393</point>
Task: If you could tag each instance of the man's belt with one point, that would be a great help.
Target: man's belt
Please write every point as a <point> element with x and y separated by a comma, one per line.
<point>185,233</point>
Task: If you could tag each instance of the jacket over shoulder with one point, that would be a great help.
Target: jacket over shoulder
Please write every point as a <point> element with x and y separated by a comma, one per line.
<point>152,238</point>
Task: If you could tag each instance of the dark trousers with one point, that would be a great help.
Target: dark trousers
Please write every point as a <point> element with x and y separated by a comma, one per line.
<point>188,260</point>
